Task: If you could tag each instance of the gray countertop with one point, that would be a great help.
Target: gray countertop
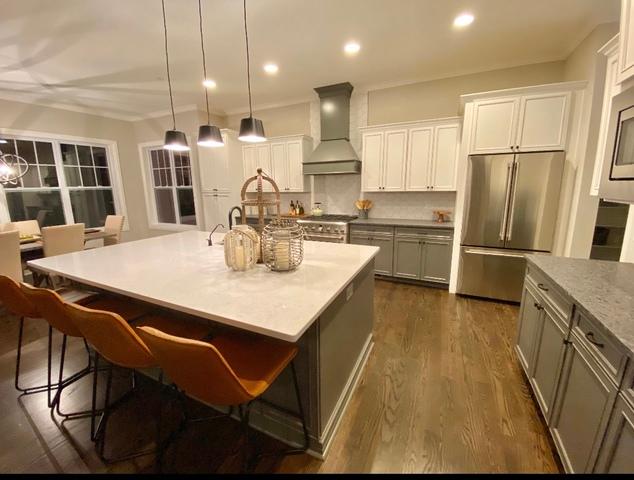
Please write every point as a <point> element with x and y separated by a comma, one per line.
<point>400,222</point>
<point>605,290</point>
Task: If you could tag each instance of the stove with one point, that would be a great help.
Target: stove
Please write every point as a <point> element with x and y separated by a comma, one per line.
<point>327,228</point>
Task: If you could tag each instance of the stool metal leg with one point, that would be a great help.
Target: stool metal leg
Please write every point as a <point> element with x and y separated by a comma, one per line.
<point>27,390</point>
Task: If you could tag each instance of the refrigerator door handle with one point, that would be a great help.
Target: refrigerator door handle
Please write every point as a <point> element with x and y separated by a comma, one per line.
<point>515,173</point>
<point>507,189</point>
<point>493,253</point>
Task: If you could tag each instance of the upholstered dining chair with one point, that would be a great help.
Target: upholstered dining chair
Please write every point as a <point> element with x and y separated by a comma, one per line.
<point>114,224</point>
<point>230,370</point>
<point>63,239</point>
<point>117,342</point>
<point>10,261</point>
<point>27,227</point>
<point>7,227</point>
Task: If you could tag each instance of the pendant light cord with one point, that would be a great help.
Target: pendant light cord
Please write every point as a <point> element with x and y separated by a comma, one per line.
<point>167,63</point>
<point>202,48</point>
<point>246,36</point>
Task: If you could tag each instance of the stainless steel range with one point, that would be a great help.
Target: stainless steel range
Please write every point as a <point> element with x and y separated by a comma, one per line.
<point>327,228</point>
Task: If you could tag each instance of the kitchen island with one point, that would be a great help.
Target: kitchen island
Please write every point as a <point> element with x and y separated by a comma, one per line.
<point>325,306</point>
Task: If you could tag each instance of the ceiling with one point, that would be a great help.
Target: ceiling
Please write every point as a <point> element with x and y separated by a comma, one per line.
<point>106,56</point>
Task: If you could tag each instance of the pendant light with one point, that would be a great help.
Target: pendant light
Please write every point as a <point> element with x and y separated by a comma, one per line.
<point>251,129</point>
<point>208,135</point>
<point>174,139</point>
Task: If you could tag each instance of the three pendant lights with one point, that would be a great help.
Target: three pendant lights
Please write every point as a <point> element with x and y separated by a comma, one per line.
<point>251,129</point>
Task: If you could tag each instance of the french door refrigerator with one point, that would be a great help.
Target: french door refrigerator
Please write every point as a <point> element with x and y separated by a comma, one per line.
<point>511,210</point>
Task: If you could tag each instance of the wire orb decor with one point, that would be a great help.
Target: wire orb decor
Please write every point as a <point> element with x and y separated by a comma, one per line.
<point>12,168</point>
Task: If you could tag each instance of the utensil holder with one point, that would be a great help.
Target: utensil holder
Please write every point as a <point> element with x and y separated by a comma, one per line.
<point>363,214</point>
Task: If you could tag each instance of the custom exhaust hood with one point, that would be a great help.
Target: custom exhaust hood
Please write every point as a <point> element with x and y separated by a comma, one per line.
<point>334,154</point>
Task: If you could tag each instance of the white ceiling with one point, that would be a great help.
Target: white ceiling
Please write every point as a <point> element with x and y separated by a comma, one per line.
<point>107,55</point>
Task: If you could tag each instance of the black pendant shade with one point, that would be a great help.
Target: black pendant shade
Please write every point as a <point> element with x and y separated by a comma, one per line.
<point>251,130</point>
<point>175,140</point>
<point>210,136</point>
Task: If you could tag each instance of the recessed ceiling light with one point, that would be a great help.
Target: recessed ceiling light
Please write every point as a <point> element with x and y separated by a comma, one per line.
<point>209,83</point>
<point>463,20</point>
<point>271,68</point>
<point>351,48</point>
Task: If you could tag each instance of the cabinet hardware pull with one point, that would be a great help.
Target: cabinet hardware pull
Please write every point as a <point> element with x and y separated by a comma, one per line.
<point>590,337</point>
<point>538,306</point>
<point>541,286</point>
<point>567,342</point>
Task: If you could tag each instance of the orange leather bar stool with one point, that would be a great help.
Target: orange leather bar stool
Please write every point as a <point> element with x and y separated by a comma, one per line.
<point>119,344</point>
<point>230,370</point>
<point>50,306</point>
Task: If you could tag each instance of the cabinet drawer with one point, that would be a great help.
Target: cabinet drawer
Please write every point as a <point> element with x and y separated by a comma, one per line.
<point>431,233</point>
<point>549,291</point>
<point>628,383</point>
<point>608,354</point>
<point>370,229</point>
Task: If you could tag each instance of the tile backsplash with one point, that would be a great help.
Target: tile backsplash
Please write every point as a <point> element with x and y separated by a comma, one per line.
<point>410,205</point>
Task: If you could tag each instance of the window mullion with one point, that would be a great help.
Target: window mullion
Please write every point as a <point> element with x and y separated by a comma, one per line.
<point>174,191</point>
<point>61,180</point>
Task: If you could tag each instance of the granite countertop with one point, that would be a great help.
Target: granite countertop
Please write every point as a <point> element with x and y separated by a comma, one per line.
<point>604,289</point>
<point>400,222</point>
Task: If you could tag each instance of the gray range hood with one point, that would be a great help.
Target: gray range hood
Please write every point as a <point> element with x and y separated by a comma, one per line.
<point>334,154</point>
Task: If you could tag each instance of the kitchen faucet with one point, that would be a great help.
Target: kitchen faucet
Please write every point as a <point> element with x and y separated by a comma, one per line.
<point>209,242</point>
<point>231,214</point>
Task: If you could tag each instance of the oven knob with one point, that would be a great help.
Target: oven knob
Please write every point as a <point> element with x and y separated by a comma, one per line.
<point>328,229</point>
<point>320,228</point>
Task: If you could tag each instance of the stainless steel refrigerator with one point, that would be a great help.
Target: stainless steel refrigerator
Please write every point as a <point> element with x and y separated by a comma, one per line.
<point>511,210</point>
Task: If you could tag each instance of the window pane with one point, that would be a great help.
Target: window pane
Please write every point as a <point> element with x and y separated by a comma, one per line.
<point>154,156</point>
<point>157,177</point>
<point>185,159</point>
<point>48,174</point>
<point>164,159</point>
<point>8,147</point>
<point>45,153</point>
<point>187,179</point>
<point>45,207</point>
<point>179,176</point>
<point>72,176</point>
<point>186,207</point>
<point>165,206</point>
<point>31,178</point>
<point>69,156</point>
<point>85,158</point>
<point>177,160</point>
<point>103,178</point>
<point>26,151</point>
<point>99,156</point>
<point>88,176</point>
<point>92,206</point>
<point>168,177</point>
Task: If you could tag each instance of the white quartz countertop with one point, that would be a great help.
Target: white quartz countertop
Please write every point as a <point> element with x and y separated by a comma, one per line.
<point>181,272</point>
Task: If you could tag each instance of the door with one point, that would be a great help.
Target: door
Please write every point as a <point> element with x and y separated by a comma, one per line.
<point>279,163</point>
<point>263,161</point>
<point>534,201</point>
<point>494,125</point>
<point>443,172</point>
<point>407,257</point>
<point>436,260</point>
<point>394,160</point>
<point>489,180</point>
<point>372,161</point>
<point>294,156</point>
<point>419,158</point>
<point>543,122</point>
<point>616,451</point>
<point>383,260</point>
<point>530,320</point>
<point>249,164</point>
<point>210,210</point>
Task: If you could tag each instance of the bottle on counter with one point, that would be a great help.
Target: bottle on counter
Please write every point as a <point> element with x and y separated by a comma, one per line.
<point>301,209</point>
<point>292,210</point>
<point>297,207</point>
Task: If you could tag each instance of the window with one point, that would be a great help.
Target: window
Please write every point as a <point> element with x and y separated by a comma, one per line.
<point>172,187</point>
<point>65,183</point>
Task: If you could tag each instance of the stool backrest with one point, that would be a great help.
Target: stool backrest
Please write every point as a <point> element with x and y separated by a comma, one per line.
<point>196,367</point>
<point>51,308</point>
<point>14,300</point>
<point>63,239</point>
<point>111,336</point>
<point>10,259</point>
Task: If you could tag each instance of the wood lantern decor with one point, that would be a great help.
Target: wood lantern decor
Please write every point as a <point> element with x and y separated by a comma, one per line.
<point>270,200</point>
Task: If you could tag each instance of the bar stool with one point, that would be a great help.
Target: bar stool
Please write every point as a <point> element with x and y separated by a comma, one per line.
<point>50,306</point>
<point>230,370</point>
<point>118,343</point>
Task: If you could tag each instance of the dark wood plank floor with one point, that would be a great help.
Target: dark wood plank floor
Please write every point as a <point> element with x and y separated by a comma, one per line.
<point>442,392</point>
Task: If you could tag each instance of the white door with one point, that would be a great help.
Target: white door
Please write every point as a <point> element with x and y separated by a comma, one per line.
<point>210,209</point>
<point>419,158</point>
<point>443,176</point>
<point>543,122</point>
<point>249,164</point>
<point>279,163</point>
<point>626,40</point>
<point>224,204</point>
<point>494,125</point>
<point>294,157</point>
<point>221,166</point>
<point>394,160</point>
<point>208,177</point>
<point>264,162</point>
<point>372,175</point>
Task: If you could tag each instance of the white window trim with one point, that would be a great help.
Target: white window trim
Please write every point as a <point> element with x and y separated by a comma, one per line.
<point>150,202</point>
<point>114,168</point>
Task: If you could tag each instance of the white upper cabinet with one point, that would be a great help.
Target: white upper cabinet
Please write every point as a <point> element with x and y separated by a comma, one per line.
<point>523,123</point>
<point>372,162</point>
<point>249,160</point>
<point>443,168</point>
<point>626,32</point>
<point>394,160</point>
<point>214,169</point>
<point>419,158</point>
<point>295,156</point>
<point>280,165</point>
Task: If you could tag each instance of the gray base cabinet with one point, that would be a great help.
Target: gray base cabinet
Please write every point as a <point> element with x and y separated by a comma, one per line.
<point>382,237</point>
<point>617,453</point>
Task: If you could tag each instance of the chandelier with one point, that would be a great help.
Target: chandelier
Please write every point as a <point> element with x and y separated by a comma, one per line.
<point>12,167</point>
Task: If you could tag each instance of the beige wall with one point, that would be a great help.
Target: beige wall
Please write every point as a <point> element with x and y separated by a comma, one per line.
<point>287,120</point>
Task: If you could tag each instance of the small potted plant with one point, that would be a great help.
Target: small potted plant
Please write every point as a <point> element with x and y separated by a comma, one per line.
<point>363,206</point>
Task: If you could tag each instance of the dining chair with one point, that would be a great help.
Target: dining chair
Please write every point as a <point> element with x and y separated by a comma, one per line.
<point>230,370</point>
<point>114,224</point>
<point>28,227</point>
<point>63,239</point>
<point>10,260</point>
<point>119,344</point>
<point>7,227</point>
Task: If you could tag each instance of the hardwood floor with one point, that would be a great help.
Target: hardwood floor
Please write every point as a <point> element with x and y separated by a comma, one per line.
<point>442,392</point>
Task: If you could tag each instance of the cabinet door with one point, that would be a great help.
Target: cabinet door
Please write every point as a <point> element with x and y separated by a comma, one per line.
<point>494,125</point>
<point>626,40</point>
<point>280,165</point>
<point>436,261</point>
<point>584,401</point>
<point>419,158</point>
<point>530,320</point>
<point>295,156</point>
<point>394,160</point>
<point>383,261</point>
<point>443,168</point>
<point>543,122</point>
<point>372,175</point>
<point>407,255</point>
<point>249,162</point>
<point>360,238</point>
<point>548,358</point>
<point>263,161</point>
<point>618,446</point>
